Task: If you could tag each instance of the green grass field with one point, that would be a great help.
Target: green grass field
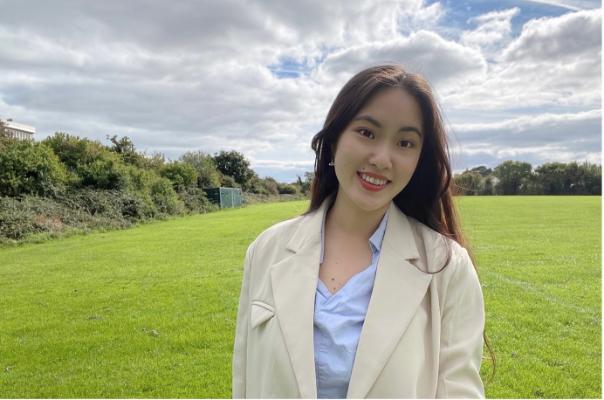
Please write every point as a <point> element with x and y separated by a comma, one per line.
<point>150,311</point>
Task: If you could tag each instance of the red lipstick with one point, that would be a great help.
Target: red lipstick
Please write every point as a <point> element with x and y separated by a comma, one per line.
<point>370,186</point>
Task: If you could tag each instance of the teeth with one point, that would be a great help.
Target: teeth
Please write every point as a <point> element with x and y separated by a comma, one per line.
<point>372,180</point>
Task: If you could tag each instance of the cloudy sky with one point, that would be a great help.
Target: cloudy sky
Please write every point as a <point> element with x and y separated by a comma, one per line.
<point>516,79</point>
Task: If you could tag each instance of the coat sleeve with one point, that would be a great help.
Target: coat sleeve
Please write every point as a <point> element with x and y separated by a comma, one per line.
<point>462,328</point>
<point>241,331</point>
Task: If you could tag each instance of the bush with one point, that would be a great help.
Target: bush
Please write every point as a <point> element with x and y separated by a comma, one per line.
<point>70,149</point>
<point>140,180</point>
<point>208,175</point>
<point>93,164</point>
<point>228,181</point>
<point>155,194</point>
<point>270,186</point>
<point>164,197</point>
<point>15,221</point>
<point>181,174</point>
<point>113,204</point>
<point>106,172</point>
<point>195,200</point>
<point>287,189</point>
<point>32,215</point>
<point>30,168</point>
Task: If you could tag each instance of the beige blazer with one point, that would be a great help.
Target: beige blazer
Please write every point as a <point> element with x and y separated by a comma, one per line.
<point>422,335</point>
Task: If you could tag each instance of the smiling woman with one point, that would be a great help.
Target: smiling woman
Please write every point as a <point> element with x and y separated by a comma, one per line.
<point>371,292</point>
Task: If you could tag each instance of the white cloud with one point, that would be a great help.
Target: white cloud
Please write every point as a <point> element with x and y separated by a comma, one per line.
<point>561,38</point>
<point>535,138</point>
<point>201,75</point>
<point>439,60</point>
<point>526,122</point>
<point>554,62</point>
<point>492,29</point>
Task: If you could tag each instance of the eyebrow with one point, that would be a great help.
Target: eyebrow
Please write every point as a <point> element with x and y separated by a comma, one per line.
<point>375,122</point>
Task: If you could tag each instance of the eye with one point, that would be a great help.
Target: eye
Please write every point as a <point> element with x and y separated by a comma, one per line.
<point>365,132</point>
<point>406,143</point>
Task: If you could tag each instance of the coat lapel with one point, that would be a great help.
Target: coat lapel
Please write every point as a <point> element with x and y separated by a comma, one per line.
<point>397,293</point>
<point>294,284</point>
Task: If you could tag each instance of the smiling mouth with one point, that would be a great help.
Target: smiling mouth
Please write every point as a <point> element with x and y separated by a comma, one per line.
<point>374,187</point>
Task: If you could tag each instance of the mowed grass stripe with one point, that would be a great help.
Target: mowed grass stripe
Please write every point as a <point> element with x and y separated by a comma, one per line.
<point>150,311</point>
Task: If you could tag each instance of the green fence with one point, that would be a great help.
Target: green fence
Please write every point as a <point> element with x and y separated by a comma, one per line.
<point>223,196</point>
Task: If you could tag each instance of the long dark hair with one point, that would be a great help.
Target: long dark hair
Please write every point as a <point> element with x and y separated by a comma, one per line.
<point>428,197</point>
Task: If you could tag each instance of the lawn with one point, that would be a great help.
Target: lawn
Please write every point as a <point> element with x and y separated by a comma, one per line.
<point>150,311</point>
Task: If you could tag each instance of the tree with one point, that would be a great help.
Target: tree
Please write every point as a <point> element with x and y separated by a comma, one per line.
<point>552,178</point>
<point>488,185</point>
<point>305,184</point>
<point>530,185</point>
<point>125,147</point>
<point>208,174</point>
<point>511,174</point>
<point>482,170</point>
<point>592,178</point>
<point>234,164</point>
<point>584,178</point>
<point>469,182</point>
<point>571,178</point>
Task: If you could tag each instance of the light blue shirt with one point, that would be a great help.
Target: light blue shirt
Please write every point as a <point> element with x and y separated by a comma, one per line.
<point>338,321</point>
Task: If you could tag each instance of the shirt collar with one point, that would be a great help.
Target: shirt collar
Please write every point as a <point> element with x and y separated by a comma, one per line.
<point>375,241</point>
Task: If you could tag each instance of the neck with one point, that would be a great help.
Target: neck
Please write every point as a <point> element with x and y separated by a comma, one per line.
<point>347,219</point>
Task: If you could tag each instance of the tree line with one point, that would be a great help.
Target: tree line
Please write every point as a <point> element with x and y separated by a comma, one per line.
<point>519,178</point>
<point>66,183</point>
<point>64,161</point>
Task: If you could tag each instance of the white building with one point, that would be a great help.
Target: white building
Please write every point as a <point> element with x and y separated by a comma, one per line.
<point>18,131</point>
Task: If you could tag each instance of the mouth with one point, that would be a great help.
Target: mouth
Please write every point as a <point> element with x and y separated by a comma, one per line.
<point>374,185</point>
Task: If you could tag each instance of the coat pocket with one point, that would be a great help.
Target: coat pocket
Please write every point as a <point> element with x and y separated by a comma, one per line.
<point>260,312</point>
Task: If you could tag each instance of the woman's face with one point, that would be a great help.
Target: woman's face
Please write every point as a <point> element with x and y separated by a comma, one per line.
<point>383,142</point>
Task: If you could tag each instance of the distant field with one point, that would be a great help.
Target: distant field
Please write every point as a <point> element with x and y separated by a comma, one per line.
<point>150,311</point>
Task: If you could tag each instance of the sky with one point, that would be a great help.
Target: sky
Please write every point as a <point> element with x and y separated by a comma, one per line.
<point>516,80</point>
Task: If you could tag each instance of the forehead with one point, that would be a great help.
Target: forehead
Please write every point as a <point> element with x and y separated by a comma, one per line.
<point>394,107</point>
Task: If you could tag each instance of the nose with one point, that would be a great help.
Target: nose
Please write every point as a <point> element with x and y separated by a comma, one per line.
<point>381,158</point>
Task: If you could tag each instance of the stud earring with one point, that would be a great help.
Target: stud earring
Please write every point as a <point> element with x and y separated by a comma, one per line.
<point>331,164</point>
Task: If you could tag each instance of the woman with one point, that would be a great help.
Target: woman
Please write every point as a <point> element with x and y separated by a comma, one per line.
<point>369,293</point>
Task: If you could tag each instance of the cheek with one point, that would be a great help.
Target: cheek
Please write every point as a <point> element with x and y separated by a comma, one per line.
<point>346,149</point>
<point>407,165</point>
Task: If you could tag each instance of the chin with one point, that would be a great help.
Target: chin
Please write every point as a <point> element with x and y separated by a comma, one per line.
<point>375,205</point>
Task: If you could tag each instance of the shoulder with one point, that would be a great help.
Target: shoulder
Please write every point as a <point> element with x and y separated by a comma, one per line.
<point>276,234</point>
<point>438,251</point>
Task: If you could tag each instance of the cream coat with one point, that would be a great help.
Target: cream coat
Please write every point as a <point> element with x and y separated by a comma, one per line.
<point>422,335</point>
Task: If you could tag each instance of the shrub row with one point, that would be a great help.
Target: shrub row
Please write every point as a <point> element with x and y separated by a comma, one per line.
<point>67,183</point>
<point>86,210</point>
